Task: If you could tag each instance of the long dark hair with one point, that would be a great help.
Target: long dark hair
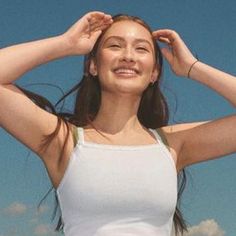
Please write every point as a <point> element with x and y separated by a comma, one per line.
<point>152,113</point>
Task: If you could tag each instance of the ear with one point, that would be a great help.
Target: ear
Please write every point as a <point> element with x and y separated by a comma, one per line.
<point>93,68</point>
<point>155,74</point>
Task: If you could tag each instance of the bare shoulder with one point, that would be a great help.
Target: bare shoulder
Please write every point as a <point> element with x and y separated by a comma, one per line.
<point>175,136</point>
<point>37,128</point>
<point>174,133</point>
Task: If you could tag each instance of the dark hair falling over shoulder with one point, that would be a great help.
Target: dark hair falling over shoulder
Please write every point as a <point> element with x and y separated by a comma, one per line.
<point>152,113</point>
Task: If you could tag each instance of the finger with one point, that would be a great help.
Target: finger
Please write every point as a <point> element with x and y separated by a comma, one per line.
<point>95,35</point>
<point>94,14</point>
<point>100,23</point>
<point>94,24</point>
<point>104,26</point>
<point>171,35</point>
<point>167,54</point>
<point>98,14</point>
<point>99,17</point>
<point>163,32</point>
<point>107,18</point>
<point>98,27</point>
<point>164,40</point>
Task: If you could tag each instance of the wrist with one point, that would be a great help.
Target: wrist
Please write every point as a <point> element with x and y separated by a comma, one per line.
<point>66,46</point>
<point>191,68</point>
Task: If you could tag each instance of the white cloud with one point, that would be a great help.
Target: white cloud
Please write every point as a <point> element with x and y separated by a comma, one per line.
<point>43,230</point>
<point>15,209</point>
<point>42,209</point>
<point>205,228</point>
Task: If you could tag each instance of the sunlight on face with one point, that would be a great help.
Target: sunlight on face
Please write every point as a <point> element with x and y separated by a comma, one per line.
<point>125,61</point>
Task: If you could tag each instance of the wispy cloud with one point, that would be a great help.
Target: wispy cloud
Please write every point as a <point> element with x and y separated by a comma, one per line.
<point>42,209</point>
<point>43,229</point>
<point>37,214</point>
<point>206,228</point>
<point>15,209</point>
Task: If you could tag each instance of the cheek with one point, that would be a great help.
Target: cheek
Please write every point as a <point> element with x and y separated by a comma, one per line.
<point>102,57</point>
<point>148,64</point>
<point>105,61</point>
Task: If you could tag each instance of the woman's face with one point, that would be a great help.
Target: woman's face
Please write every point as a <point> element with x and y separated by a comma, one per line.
<point>125,60</point>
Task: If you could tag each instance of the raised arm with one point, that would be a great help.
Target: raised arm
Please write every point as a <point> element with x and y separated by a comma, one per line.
<point>78,40</point>
<point>221,82</point>
<point>184,64</point>
<point>19,115</point>
<point>199,141</point>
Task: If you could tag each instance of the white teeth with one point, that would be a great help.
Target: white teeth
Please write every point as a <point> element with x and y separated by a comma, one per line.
<point>126,71</point>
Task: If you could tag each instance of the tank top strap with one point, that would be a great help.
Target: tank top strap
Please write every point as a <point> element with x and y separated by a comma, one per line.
<point>81,135</point>
<point>160,136</point>
<point>157,136</point>
<point>75,134</point>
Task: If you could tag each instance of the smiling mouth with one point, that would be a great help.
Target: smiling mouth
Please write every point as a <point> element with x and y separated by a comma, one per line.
<point>128,72</point>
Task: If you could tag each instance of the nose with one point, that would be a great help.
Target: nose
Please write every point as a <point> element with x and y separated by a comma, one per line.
<point>128,55</point>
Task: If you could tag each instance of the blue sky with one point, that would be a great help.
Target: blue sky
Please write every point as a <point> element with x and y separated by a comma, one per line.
<point>208,28</point>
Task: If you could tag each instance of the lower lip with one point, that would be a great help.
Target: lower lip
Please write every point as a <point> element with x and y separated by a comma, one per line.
<point>126,75</point>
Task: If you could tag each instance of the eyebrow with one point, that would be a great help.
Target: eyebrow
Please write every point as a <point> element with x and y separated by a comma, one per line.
<point>138,40</point>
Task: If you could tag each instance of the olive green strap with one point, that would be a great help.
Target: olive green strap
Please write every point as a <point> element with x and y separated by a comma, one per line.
<point>163,137</point>
<point>75,134</point>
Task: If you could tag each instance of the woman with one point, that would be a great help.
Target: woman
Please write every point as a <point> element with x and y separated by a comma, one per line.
<point>117,177</point>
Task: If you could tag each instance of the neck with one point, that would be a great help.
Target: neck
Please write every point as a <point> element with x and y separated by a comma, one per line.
<point>118,113</point>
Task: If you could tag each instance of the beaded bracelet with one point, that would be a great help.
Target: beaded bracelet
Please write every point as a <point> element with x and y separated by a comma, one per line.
<point>191,67</point>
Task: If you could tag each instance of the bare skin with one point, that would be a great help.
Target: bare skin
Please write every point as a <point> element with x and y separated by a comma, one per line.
<point>121,91</point>
<point>30,123</point>
<point>207,140</point>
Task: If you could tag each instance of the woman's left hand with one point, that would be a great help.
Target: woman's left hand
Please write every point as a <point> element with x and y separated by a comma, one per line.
<point>177,54</point>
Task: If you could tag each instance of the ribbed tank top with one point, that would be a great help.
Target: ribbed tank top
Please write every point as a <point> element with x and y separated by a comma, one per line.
<point>111,190</point>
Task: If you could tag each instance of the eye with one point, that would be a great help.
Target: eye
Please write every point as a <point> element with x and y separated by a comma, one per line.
<point>114,46</point>
<point>142,49</point>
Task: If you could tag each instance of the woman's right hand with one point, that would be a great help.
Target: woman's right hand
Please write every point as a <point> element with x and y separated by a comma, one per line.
<point>84,33</point>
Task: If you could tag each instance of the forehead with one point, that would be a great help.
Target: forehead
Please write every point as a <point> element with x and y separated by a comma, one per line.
<point>127,29</point>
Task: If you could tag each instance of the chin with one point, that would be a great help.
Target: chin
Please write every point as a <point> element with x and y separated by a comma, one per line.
<point>129,90</point>
<point>124,86</point>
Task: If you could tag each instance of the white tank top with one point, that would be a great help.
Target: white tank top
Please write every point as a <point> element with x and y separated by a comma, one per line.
<point>111,190</point>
